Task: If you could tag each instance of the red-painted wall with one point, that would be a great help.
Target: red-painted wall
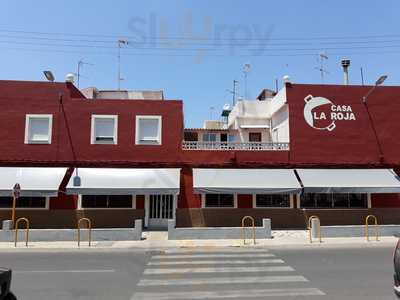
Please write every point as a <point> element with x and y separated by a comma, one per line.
<point>245,201</point>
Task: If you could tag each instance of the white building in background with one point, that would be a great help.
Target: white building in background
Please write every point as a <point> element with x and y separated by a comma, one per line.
<point>250,125</point>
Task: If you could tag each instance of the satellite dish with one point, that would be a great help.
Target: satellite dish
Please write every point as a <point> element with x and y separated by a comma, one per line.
<point>49,76</point>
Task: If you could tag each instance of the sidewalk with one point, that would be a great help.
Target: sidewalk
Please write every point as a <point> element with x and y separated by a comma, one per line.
<point>158,240</point>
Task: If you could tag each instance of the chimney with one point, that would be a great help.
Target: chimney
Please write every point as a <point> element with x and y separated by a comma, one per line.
<point>345,65</point>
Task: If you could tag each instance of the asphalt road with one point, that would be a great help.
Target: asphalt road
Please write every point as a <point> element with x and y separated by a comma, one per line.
<point>225,273</point>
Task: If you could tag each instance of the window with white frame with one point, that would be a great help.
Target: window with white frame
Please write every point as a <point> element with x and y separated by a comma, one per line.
<point>345,200</point>
<point>38,129</point>
<point>148,130</point>
<point>219,200</point>
<point>24,202</point>
<point>104,129</point>
<point>273,200</point>
<point>209,137</point>
<point>107,201</point>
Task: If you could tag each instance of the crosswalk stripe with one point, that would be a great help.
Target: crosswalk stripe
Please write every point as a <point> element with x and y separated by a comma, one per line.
<point>219,270</point>
<point>216,262</point>
<point>221,280</point>
<point>176,256</point>
<point>229,294</point>
<point>239,250</point>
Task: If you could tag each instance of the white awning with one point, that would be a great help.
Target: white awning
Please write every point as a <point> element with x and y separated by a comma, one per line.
<point>34,182</point>
<point>349,180</point>
<point>107,181</point>
<point>266,181</point>
<point>260,126</point>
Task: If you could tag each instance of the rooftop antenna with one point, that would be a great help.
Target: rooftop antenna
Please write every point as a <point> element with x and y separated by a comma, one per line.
<point>81,63</point>
<point>120,43</point>
<point>211,112</point>
<point>233,92</point>
<point>321,58</point>
<point>246,71</point>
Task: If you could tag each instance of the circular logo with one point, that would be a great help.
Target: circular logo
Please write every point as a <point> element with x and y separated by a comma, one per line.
<point>311,104</point>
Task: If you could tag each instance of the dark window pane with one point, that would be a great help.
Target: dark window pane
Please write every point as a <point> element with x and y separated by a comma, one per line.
<point>190,136</point>
<point>358,200</point>
<point>106,201</point>
<point>226,200</point>
<point>340,200</point>
<point>323,200</point>
<point>219,200</point>
<point>272,200</point>
<point>6,202</point>
<point>212,200</point>
<point>94,201</point>
<point>120,201</point>
<point>307,200</point>
<point>31,202</point>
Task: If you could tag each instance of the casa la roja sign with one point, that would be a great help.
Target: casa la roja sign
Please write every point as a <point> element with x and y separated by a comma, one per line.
<point>322,114</point>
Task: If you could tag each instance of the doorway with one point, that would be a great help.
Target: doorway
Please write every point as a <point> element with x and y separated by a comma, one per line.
<point>159,209</point>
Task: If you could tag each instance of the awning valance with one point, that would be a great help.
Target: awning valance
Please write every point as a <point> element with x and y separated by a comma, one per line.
<point>108,181</point>
<point>33,181</point>
<point>266,181</point>
<point>349,180</point>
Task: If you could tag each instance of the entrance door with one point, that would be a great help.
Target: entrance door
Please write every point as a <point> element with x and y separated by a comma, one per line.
<point>160,209</point>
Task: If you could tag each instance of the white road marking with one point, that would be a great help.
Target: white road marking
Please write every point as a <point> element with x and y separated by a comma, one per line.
<point>229,294</point>
<point>216,262</point>
<point>238,255</point>
<point>64,271</point>
<point>221,280</point>
<point>218,270</point>
<point>238,250</point>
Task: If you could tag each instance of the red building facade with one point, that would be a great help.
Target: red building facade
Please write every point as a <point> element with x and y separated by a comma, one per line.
<point>344,134</point>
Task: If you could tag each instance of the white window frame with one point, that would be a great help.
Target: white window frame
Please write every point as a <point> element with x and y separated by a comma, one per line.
<point>79,206</point>
<point>28,117</point>
<point>93,126</point>
<point>137,130</point>
<point>47,206</point>
<point>235,202</point>
<point>291,201</point>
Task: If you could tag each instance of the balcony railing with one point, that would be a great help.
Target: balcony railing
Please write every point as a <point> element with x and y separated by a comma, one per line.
<point>225,146</point>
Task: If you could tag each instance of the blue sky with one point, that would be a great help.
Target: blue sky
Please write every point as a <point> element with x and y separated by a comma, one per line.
<point>193,50</point>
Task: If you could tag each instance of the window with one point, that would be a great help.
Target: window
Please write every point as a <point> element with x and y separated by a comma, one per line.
<point>148,130</point>
<point>310,200</point>
<point>255,137</point>
<point>272,200</point>
<point>219,200</point>
<point>232,138</point>
<point>209,137</point>
<point>104,129</point>
<point>24,202</point>
<point>106,201</point>
<point>38,129</point>
<point>190,136</point>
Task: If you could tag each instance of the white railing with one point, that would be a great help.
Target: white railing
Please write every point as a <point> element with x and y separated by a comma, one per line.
<point>250,146</point>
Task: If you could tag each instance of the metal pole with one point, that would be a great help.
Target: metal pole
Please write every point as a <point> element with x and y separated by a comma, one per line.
<point>13,210</point>
<point>119,65</point>
<point>362,76</point>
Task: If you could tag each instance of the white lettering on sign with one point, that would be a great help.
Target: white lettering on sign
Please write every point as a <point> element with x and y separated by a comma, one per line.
<point>327,119</point>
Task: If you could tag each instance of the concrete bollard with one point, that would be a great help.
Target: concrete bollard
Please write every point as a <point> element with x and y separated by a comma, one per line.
<point>314,228</point>
<point>137,231</point>
<point>267,227</point>
<point>7,225</point>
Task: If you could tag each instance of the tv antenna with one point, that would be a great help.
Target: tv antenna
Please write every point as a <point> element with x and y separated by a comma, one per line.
<point>233,92</point>
<point>246,71</point>
<point>81,63</point>
<point>321,68</point>
<point>120,43</point>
